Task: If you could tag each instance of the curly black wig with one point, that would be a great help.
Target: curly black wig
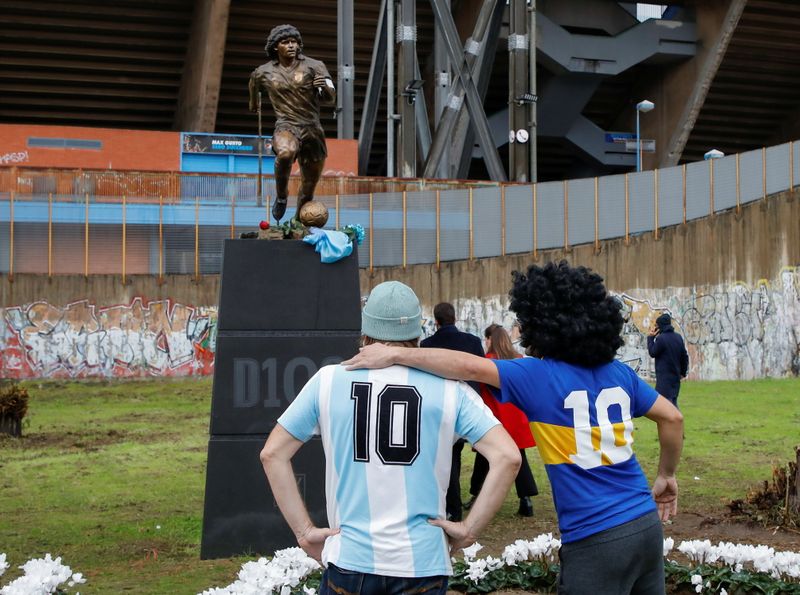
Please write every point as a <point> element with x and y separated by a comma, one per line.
<point>565,313</point>
<point>278,34</point>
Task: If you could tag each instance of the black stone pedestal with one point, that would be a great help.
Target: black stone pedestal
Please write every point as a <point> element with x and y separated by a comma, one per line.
<point>282,316</point>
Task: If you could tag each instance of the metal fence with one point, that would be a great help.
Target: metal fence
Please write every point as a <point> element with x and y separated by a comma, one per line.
<point>75,222</point>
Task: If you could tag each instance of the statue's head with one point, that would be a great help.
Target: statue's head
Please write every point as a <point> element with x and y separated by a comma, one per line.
<point>278,34</point>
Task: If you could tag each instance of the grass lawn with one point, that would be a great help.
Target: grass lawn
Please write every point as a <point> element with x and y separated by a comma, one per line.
<point>110,475</point>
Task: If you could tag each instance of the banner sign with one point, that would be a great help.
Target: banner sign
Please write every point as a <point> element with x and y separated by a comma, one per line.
<point>224,144</point>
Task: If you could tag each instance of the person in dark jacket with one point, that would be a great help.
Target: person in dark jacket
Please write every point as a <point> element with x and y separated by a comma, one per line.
<point>672,361</point>
<point>447,336</point>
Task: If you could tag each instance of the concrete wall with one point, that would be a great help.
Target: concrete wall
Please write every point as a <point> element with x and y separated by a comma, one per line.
<point>140,150</point>
<point>121,149</point>
<point>732,282</point>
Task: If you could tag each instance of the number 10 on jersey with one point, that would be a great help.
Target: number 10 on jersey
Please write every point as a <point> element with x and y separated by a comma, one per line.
<point>396,427</point>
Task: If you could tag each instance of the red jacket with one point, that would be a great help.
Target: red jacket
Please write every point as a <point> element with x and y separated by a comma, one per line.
<point>514,421</point>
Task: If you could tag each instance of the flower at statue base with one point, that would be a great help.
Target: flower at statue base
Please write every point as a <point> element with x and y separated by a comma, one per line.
<point>313,214</point>
<point>292,229</point>
<point>263,225</point>
<point>355,232</point>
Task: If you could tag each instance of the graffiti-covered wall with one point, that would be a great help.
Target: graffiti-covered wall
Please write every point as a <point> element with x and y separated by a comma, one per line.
<point>732,332</point>
<point>83,339</point>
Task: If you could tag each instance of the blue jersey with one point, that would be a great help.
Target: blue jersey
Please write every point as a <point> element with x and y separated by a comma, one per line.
<point>388,437</point>
<point>582,419</point>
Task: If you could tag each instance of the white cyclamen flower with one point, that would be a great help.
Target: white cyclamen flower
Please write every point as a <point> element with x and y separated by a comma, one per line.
<point>695,550</point>
<point>476,570</point>
<point>494,563</point>
<point>42,576</point>
<point>284,571</point>
<point>472,551</point>
<point>669,543</point>
<point>516,552</point>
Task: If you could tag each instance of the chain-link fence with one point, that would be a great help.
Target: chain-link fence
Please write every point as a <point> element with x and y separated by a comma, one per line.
<point>77,222</point>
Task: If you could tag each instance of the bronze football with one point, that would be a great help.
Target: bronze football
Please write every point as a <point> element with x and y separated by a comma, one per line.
<point>313,214</point>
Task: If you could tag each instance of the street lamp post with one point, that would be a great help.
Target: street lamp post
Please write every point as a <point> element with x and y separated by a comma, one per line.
<point>642,106</point>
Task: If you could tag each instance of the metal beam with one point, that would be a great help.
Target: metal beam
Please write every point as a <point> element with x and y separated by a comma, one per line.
<point>518,155</point>
<point>391,99</point>
<point>570,52</point>
<point>421,119</point>
<point>589,138</point>
<point>533,130</point>
<point>474,104</point>
<point>406,77</point>
<point>345,70</point>
<point>369,115</point>
<point>454,101</point>
<point>561,105</point>
<point>442,87</point>
<point>463,135</point>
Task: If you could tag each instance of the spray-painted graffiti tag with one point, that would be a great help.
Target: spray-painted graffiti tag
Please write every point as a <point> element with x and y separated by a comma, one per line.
<point>732,331</point>
<point>158,338</point>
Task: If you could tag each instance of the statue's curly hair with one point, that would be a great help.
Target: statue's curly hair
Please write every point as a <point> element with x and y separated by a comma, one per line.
<point>278,33</point>
<point>567,314</point>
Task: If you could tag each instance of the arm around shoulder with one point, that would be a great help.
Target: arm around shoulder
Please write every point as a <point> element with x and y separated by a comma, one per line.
<point>446,363</point>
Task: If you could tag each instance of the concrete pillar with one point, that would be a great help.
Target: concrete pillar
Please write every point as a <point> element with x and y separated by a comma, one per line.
<point>679,95</point>
<point>202,71</point>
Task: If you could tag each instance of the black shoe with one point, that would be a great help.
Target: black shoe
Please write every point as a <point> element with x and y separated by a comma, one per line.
<point>279,209</point>
<point>525,507</point>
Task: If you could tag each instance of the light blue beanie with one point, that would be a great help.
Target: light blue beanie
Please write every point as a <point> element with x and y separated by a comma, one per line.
<point>392,313</point>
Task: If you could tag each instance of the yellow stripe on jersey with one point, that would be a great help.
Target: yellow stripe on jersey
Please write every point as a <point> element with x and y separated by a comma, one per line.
<point>557,443</point>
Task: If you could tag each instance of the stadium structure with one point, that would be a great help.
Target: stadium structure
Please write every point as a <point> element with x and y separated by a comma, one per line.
<point>721,74</point>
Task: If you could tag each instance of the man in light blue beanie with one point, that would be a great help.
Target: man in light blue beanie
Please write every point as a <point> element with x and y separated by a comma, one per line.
<point>388,450</point>
<point>392,313</point>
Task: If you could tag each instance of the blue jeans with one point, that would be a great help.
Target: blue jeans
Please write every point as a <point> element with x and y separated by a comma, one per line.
<point>338,581</point>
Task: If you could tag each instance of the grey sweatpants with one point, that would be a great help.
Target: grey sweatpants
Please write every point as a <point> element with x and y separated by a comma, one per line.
<point>618,561</point>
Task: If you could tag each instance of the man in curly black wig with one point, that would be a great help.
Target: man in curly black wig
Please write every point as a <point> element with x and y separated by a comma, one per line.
<point>296,86</point>
<point>581,403</point>
<point>566,314</point>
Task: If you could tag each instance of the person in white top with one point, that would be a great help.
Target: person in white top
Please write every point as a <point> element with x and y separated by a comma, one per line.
<point>388,437</point>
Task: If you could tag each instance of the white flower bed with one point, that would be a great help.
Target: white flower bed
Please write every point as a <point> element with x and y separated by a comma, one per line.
<point>43,576</point>
<point>289,568</point>
<point>784,566</point>
<point>285,571</point>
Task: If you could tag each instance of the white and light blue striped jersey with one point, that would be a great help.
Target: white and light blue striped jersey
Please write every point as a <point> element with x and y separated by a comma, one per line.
<point>388,437</point>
